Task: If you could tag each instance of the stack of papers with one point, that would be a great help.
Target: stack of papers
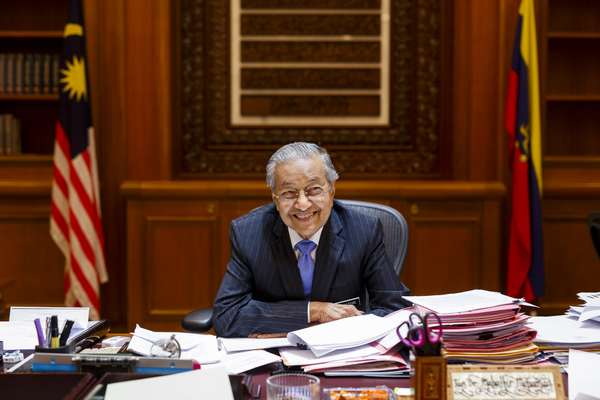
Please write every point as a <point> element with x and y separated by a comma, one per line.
<point>365,345</point>
<point>579,329</point>
<point>559,333</point>
<point>590,310</point>
<point>209,351</point>
<point>482,326</point>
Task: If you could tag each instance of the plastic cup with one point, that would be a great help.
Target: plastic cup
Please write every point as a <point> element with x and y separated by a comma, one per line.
<point>293,387</point>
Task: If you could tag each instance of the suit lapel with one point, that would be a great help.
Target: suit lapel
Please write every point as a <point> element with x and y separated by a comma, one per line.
<point>329,252</point>
<point>285,261</point>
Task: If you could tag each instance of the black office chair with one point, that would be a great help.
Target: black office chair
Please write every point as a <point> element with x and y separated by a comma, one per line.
<point>594,224</point>
<point>395,238</point>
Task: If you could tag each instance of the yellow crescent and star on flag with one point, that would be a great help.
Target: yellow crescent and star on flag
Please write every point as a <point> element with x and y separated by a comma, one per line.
<point>73,75</point>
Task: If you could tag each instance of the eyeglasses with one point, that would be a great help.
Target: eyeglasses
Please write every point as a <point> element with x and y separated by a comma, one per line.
<point>166,347</point>
<point>311,193</point>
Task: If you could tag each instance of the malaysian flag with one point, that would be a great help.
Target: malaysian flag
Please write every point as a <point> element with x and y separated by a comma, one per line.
<point>75,223</point>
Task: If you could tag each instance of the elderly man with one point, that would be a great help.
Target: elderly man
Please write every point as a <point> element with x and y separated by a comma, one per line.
<point>292,260</point>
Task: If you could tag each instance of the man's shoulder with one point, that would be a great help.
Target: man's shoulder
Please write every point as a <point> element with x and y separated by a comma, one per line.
<point>259,215</point>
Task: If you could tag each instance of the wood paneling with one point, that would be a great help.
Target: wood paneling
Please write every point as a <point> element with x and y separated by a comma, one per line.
<point>171,244</point>
<point>312,4</point>
<point>310,52</point>
<point>178,238</point>
<point>571,264</point>
<point>310,78</point>
<point>277,24</point>
<point>281,105</point>
<point>31,271</point>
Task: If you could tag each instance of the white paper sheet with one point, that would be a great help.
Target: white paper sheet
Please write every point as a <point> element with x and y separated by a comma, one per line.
<point>565,330</point>
<point>18,335</point>
<point>297,357</point>
<point>590,313</point>
<point>245,344</point>
<point>80,315</point>
<point>236,363</point>
<point>347,333</point>
<point>463,301</point>
<point>583,375</point>
<point>211,383</point>
<point>342,333</point>
<point>202,348</point>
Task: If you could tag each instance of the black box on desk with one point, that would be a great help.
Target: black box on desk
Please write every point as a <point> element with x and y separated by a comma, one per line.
<point>47,386</point>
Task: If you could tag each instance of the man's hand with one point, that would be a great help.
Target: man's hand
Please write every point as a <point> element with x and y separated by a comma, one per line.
<point>325,312</point>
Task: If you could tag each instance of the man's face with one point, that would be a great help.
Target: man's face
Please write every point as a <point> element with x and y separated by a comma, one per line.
<point>304,214</point>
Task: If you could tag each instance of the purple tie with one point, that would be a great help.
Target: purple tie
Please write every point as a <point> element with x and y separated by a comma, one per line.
<point>306,264</point>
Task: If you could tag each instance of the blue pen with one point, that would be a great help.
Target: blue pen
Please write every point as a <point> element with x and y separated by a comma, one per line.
<point>40,333</point>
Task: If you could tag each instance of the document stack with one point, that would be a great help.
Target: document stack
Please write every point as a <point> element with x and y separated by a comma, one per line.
<point>482,326</point>
<point>364,345</point>
<point>589,310</point>
<point>579,329</point>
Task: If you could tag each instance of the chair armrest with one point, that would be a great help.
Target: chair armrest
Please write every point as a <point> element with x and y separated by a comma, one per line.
<point>198,320</point>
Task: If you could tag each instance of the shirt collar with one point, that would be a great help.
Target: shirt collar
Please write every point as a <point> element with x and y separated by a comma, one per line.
<point>295,237</point>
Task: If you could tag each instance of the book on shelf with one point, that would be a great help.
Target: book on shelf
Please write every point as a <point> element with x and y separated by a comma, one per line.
<point>29,73</point>
<point>10,135</point>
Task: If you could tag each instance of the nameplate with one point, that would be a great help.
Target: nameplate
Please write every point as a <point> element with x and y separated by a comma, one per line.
<point>489,382</point>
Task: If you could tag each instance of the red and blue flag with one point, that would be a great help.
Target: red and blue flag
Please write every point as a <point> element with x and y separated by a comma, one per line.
<point>525,275</point>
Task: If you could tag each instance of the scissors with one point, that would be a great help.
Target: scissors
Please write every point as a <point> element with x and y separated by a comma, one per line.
<point>424,337</point>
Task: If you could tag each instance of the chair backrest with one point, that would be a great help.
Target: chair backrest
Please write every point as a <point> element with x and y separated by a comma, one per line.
<point>395,228</point>
<point>594,224</point>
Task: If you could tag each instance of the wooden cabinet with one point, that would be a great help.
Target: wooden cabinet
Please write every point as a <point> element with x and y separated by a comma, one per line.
<point>570,43</point>
<point>570,54</point>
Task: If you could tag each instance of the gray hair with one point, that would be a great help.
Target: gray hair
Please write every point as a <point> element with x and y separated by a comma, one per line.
<point>300,151</point>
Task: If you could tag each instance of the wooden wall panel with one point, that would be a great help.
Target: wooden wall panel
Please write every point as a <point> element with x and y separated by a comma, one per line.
<point>172,245</point>
<point>174,248</point>
<point>571,263</point>
<point>31,266</point>
<point>444,250</point>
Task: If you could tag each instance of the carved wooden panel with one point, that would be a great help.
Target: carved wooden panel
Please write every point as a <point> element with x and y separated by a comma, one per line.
<point>211,145</point>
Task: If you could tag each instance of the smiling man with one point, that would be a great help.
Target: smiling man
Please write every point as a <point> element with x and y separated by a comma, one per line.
<point>293,261</point>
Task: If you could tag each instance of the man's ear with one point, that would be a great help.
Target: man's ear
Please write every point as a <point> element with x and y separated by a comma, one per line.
<point>333,189</point>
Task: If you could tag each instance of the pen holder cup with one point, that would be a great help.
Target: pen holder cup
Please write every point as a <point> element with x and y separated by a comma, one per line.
<point>430,377</point>
<point>69,348</point>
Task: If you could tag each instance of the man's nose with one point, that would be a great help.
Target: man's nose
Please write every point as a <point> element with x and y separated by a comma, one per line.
<point>302,203</point>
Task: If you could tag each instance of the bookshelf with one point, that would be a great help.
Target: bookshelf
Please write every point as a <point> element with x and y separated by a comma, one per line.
<point>30,42</point>
<point>571,97</point>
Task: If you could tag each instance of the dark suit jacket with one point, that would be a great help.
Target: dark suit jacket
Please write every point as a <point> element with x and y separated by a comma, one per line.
<point>261,291</point>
